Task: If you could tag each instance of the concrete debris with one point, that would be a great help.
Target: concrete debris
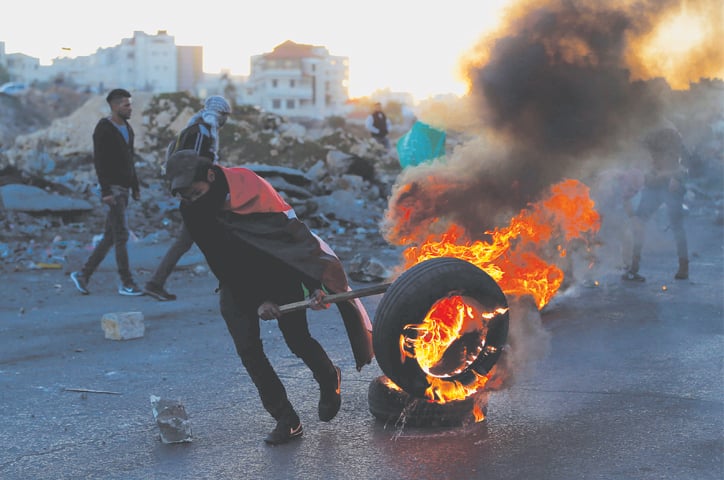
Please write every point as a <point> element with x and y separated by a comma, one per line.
<point>367,269</point>
<point>25,198</point>
<point>306,160</point>
<point>344,205</point>
<point>291,175</point>
<point>123,325</point>
<point>172,420</point>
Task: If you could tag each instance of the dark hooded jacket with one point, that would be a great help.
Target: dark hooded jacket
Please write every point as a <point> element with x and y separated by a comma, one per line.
<point>113,157</point>
<point>255,237</point>
<point>198,137</point>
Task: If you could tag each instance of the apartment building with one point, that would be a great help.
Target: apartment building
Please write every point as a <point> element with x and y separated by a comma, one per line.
<point>150,63</point>
<point>298,80</point>
<point>293,80</point>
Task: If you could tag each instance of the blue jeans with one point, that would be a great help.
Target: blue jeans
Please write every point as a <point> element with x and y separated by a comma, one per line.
<point>114,235</point>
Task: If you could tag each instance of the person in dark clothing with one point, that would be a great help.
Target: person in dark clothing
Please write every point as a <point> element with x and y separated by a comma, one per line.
<point>113,157</point>
<point>378,125</point>
<point>201,136</point>
<point>263,256</point>
<point>664,184</point>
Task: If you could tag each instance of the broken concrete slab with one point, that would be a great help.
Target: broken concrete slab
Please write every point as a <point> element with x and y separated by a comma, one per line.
<point>123,325</point>
<point>291,175</point>
<point>345,206</point>
<point>26,198</point>
<point>281,185</point>
<point>172,420</point>
<point>368,269</point>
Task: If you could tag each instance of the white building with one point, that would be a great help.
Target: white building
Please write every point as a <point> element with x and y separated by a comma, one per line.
<point>293,80</point>
<point>22,68</point>
<point>298,80</point>
<point>150,63</point>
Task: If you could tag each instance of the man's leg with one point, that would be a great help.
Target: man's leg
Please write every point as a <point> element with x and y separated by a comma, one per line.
<point>295,329</point>
<point>243,323</point>
<point>100,251</point>
<point>675,209</point>
<point>650,202</point>
<point>119,222</point>
<point>155,285</point>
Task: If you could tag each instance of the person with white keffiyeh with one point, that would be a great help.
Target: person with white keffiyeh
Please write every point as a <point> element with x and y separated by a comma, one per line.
<point>201,135</point>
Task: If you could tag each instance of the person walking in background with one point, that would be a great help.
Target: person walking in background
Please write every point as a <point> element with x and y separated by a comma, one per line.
<point>113,157</point>
<point>201,135</point>
<point>379,126</point>
<point>664,184</point>
<point>264,256</point>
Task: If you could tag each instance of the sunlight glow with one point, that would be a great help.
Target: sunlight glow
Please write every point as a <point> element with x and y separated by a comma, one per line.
<point>402,46</point>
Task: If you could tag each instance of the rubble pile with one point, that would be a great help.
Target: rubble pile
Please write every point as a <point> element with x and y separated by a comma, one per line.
<point>35,109</point>
<point>336,178</point>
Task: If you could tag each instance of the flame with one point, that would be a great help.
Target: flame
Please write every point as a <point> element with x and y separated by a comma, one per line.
<point>447,321</point>
<point>478,406</point>
<point>478,413</point>
<point>440,328</point>
<point>513,256</point>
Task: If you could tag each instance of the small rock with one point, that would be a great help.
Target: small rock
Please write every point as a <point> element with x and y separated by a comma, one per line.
<point>172,420</point>
<point>123,325</point>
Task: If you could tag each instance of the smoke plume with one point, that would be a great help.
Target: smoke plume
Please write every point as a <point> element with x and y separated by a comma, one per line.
<point>559,91</point>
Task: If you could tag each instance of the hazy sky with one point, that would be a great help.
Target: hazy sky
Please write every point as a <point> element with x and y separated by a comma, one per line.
<point>404,45</point>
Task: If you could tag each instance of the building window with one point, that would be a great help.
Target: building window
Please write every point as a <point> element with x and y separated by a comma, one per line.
<point>290,104</point>
<point>276,104</point>
<point>275,83</point>
<point>292,83</point>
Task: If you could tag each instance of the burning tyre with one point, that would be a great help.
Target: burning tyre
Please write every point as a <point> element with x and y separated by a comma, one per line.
<point>440,328</point>
<point>389,403</point>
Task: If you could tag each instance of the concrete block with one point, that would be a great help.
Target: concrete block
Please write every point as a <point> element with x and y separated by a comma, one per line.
<point>172,420</point>
<point>123,325</point>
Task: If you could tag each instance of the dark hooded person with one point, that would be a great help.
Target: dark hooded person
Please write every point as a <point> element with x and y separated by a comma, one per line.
<point>263,256</point>
<point>113,158</point>
<point>663,185</point>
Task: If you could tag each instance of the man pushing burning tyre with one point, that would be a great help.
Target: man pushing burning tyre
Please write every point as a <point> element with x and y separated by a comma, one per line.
<point>263,256</point>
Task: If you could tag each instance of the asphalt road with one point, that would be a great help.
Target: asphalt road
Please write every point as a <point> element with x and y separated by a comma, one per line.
<point>631,387</point>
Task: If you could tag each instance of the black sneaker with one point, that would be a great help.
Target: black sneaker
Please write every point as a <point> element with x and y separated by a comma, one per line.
<point>80,282</point>
<point>130,289</point>
<point>158,293</point>
<point>330,400</point>
<point>284,433</point>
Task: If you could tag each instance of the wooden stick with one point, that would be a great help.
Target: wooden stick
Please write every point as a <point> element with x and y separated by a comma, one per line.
<point>337,297</point>
<point>85,390</point>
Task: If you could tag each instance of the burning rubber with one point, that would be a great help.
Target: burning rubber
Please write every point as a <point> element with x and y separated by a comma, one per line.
<point>439,330</point>
<point>387,402</point>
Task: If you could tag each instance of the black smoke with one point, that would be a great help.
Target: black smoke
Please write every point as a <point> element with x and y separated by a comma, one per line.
<point>554,96</point>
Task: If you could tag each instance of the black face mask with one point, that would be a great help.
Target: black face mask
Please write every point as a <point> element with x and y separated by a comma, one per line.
<point>211,202</point>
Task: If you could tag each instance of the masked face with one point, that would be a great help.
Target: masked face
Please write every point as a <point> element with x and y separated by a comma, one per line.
<point>205,197</point>
<point>223,117</point>
<point>193,192</point>
<point>215,118</point>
